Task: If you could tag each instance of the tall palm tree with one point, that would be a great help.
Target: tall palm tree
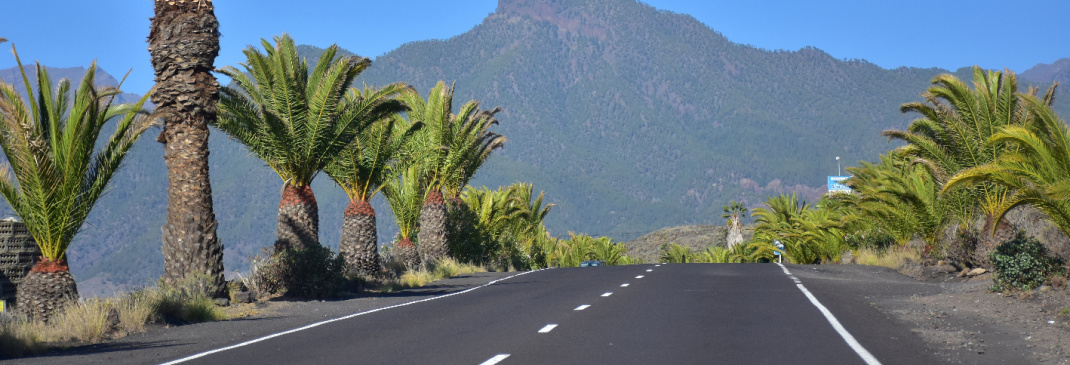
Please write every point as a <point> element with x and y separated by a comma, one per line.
<point>183,43</point>
<point>296,121</point>
<point>361,169</point>
<point>732,212</point>
<point>405,192</point>
<point>49,140</point>
<point>1037,172</point>
<point>453,146</point>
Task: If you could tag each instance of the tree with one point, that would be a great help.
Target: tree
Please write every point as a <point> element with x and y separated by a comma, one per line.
<point>50,142</point>
<point>733,211</point>
<point>1037,172</point>
<point>183,43</point>
<point>361,169</point>
<point>453,146</point>
<point>952,135</point>
<point>296,121</point>
<point>405,192</point>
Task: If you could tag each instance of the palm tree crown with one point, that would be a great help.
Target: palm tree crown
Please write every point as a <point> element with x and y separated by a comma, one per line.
<point>49,141</point>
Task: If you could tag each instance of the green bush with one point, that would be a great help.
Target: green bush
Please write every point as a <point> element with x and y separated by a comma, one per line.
<point>1023,263</point>
<point>314,272</point>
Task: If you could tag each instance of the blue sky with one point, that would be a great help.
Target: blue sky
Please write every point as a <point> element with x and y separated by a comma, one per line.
<point>931,33</point>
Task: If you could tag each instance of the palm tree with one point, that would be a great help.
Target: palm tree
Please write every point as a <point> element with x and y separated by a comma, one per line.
<point>405,192</point>
<point>1037,172</point>
<point>453,146</point>
<point>733,211</point>
<point>49,140</point>
<point>297,122</point>
<point>361,169</point>
<point>183,43</point>
<point>952,133</point>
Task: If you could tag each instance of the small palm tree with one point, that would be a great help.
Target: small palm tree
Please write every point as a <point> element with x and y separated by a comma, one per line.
<point>405,192</point>
<point>361,169</point>
<point>50,142</point>
<point>297,122</point>
<point>956,122</point>
<point>1037,172</point>
<point>452,147</point>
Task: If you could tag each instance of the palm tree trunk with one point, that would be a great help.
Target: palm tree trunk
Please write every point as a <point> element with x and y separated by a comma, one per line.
<point>406,250</point>
<point>359,244</point>
<point>299,220</point>
<point>183,43</point>
<point>46,290</point>
<point>432,234</point>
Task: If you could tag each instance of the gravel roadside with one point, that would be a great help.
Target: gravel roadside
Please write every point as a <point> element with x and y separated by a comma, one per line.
<point>959,319</point>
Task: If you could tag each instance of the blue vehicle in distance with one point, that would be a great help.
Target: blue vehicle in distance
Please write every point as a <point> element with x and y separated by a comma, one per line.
<point>590,263</point>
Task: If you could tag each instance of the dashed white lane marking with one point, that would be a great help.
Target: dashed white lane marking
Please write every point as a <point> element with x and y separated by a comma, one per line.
<point>548,328</point>
<point>494,360</point>
<point>639,277</point>
<point>649,270</point>
<point>606,294</point>
<point>317,324</point>
<point>582,307</point>
<point>857,347</point>
<point>625,285</point>
<point>659,265</point>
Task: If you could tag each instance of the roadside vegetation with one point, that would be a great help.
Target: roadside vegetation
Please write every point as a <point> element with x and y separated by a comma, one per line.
<point>973,155</point>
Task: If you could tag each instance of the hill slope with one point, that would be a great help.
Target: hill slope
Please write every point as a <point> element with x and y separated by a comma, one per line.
<point>630,118</point>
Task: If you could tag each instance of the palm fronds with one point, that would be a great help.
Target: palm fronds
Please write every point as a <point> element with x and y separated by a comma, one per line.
<point>50,142</point>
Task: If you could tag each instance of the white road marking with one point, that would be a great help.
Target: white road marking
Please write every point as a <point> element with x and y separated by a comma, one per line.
<point>625,285</point>
<point>857,347</point>
<point>494,360</point>
<point>606,294</point>
<point>582,307</point>
<point>639,277</point>
<point>548,328</point>
<point>317,324</point>
<point>649,270</point>
<point>658,265</point>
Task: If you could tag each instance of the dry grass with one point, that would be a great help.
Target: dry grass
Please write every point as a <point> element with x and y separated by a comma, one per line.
<point>894,257</point>
<point>97,320</point>
<point>445,269</point>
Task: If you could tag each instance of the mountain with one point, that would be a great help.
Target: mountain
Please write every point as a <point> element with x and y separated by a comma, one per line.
<point>13,76</point>
<point>634,119</point>
<point>629,118</point>
<point>1042,73</point>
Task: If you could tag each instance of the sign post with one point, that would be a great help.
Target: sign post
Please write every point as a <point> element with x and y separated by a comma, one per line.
<point>780,247</point>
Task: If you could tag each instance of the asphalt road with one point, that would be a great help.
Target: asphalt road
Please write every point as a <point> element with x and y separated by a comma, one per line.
<point>641,314</point>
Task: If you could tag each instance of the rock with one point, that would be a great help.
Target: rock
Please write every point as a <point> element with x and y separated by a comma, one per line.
<point>941,263</point>
<point>1044,288</point>
<point>977,271</point>
<point>244,297</point>
<point>964,272</point>
<point>222,302</point>
<point>944,268</point>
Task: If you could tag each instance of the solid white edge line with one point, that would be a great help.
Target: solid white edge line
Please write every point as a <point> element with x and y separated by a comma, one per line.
<point>847,337</point>
<point>494,360</point>
<point>548,328</point>
<point>582,307</point>
<point>317,324</point>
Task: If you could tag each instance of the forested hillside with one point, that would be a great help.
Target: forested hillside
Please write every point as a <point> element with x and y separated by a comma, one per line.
<point>629,118</point>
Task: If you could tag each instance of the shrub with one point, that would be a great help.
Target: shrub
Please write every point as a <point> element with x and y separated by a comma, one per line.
<point>313,272</point>
<point>1023,263</point>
